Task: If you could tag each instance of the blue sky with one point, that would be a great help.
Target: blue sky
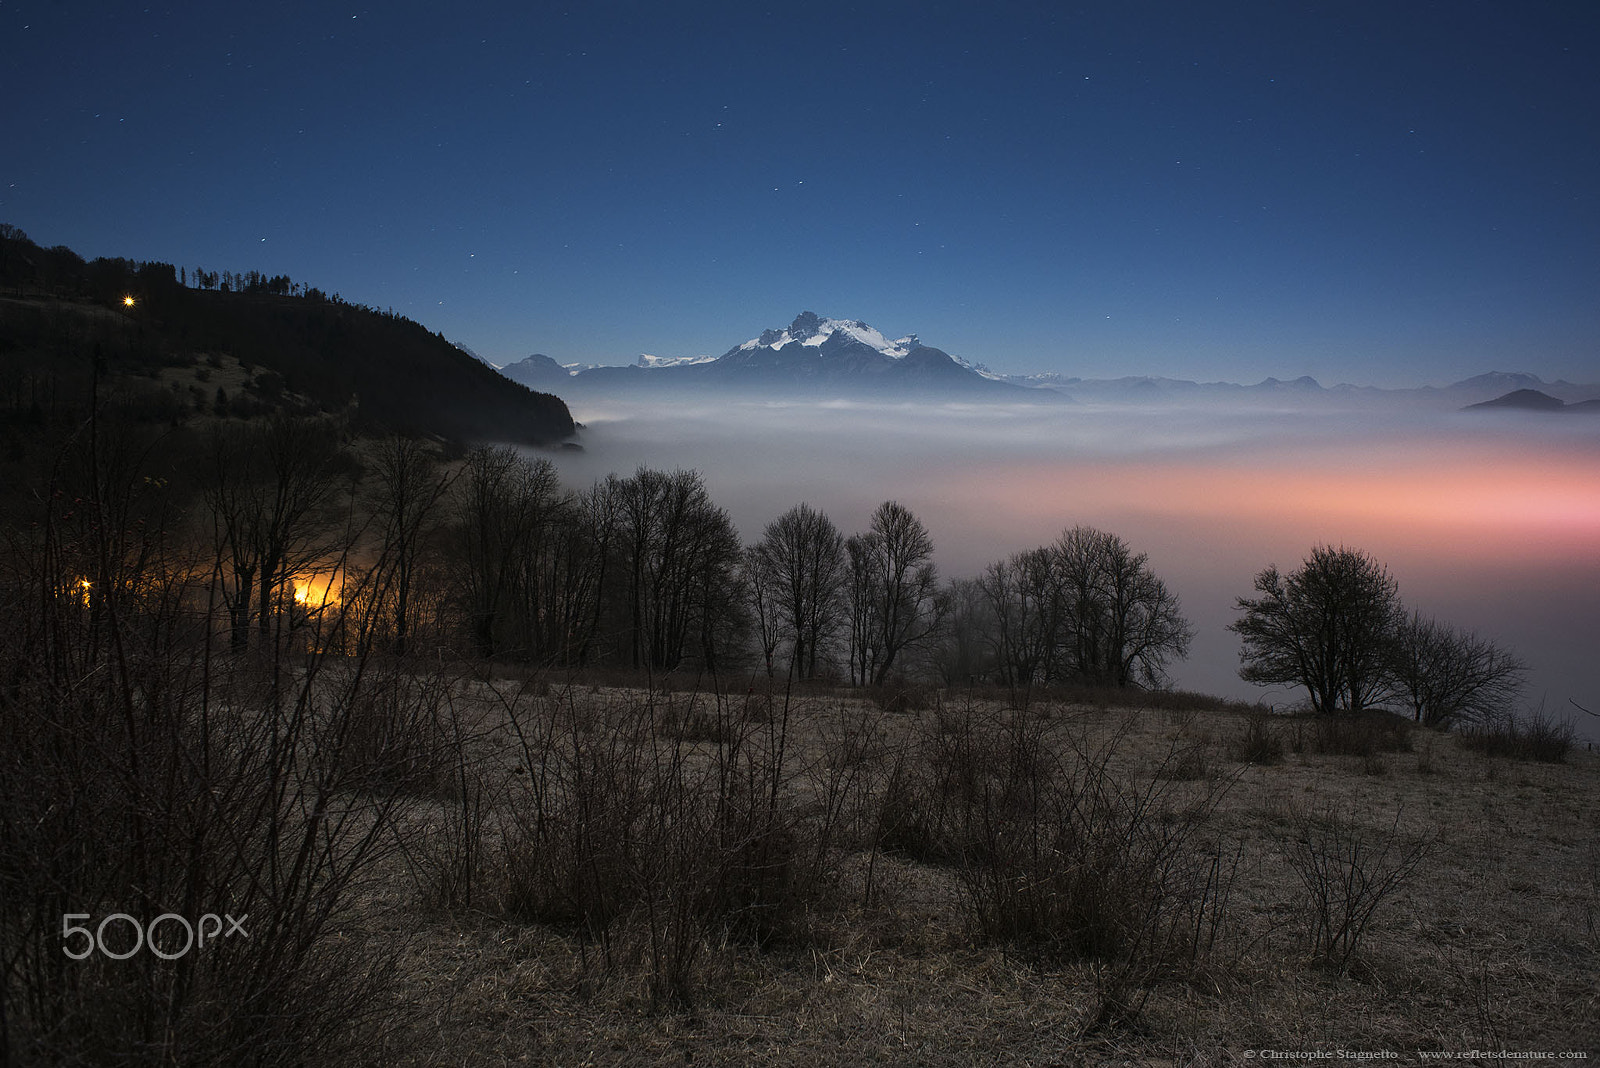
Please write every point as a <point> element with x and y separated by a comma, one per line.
<point>1370,192</point>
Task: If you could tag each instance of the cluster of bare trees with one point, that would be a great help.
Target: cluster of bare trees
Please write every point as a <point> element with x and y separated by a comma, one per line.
<point>642,571</point>
<point>491,556</point>
<point>1086,608</point>
<point>1336,627</point>
<point>647,572</point>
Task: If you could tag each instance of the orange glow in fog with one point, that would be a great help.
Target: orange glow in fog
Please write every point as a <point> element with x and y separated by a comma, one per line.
<point>1509,508</point>
<point>316,591</point>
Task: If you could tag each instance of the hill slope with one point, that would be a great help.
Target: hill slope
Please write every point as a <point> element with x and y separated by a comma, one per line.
<point>60,316</point>
<point>1532,400</point>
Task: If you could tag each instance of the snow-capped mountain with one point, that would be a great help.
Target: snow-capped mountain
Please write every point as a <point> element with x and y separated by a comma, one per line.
<point>656,362</point>
<point>808,331</point>
<point>846,355</point>
<point>840,357</point>
<point>845,358</point>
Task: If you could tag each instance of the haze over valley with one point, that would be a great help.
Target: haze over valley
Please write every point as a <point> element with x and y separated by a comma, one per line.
<point>1488,519</point>
<point>836,533</point>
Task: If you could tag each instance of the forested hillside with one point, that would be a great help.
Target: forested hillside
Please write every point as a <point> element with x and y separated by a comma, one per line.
<point>172,343</point>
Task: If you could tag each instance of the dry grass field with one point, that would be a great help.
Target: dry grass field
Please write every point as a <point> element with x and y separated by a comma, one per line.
<point>600,875</point>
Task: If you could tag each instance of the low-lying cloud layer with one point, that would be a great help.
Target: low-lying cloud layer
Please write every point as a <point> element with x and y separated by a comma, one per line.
<point>1490,522</point>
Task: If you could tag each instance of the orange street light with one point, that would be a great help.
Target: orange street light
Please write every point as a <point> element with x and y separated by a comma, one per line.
<point>127,302</point>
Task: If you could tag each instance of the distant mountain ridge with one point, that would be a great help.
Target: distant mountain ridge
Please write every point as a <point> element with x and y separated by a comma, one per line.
<point>1533,400</point>
<point>849,357</point>
<point>811,355</point>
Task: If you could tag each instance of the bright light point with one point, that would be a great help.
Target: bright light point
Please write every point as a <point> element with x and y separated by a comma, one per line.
<point>127,302</point>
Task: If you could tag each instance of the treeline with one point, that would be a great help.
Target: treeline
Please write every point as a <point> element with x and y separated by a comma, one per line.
<point>647,572</point>
<point>27,268</point>
<point>491,556</point>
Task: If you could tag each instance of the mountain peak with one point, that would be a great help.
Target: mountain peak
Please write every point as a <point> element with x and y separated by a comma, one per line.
<point>1524,399</point>
<point>1504,380</point>
<point>810,330</point>
<point>805,325</point>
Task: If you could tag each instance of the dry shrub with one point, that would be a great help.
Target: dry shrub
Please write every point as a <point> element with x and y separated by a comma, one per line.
<point>1533,736</point>
<point>1060,857</point>
<point>901,697</point>
<point>1348,872</point>
<point>167,778</point>
<point>649,846</point>
<point>403,733</point>
<point>1358,734</point>
<point>1188,764</point>
<point>1260,743</point>
<point>935,783</point>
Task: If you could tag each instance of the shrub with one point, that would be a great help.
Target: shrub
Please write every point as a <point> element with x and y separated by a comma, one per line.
<point>650,846</point>
<point>1348,872</point>
<point>1260,743</point>
<point>1361,734</point>
<point>1534,736</point>
<point>1061,858</point>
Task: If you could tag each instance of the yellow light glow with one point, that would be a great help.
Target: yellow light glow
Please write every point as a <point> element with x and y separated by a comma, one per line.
<point>127,302</point>
<point>316,591</point>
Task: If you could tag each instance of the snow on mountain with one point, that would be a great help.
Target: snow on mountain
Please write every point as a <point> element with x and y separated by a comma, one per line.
<point>810,331</point>
<point>993,376</point>
<point>655,362</point>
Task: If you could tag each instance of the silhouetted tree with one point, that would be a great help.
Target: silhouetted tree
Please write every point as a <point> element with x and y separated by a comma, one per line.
<point>503,503</point>
<point>1122,625</point>
<point>1447,677</point>
<point>797,574</point>
<point>966,650</point>
<point>1026,615</point>
<point>896,603</point>
<point>674,580</point>
<point>1328,626</point>
<point>408,488</point>
<point>266,486</point>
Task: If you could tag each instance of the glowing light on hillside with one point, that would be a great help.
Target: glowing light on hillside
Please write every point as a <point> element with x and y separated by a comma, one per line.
<point>128,301</point>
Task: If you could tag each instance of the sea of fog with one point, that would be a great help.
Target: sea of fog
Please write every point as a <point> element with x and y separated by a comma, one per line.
<point>1490,522</point>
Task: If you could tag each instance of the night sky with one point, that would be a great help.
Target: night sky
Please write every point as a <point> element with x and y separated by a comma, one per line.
<point>1376,192</point>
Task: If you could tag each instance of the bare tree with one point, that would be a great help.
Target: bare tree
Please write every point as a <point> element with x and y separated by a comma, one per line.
<point>798,566</point>
<point>492,501</point>
<point>1026,608</point>
<point>966,650</point>
<point>1328,626</point>
<point>268,487</point>
<point>762,588</point>
<point>408,487</point>
<point>1120,623</point>
<point>677,563</point>
<point>1449,677</point>
<point>896,603</point>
